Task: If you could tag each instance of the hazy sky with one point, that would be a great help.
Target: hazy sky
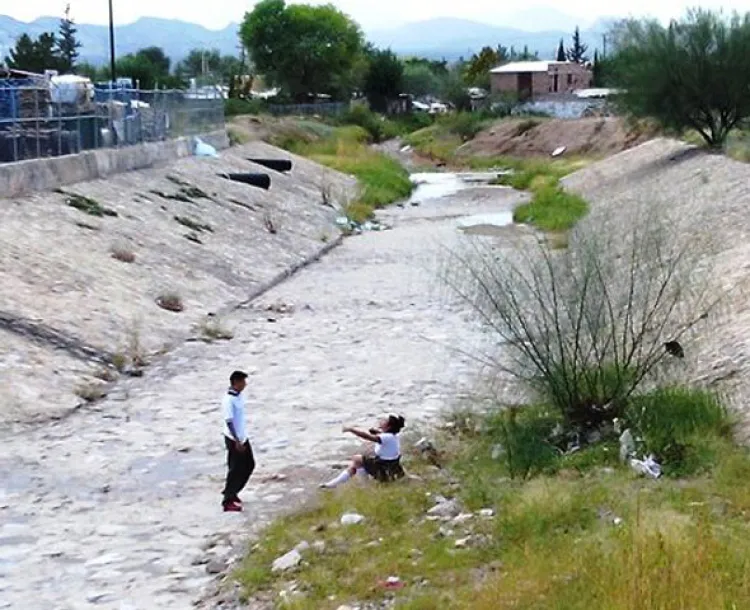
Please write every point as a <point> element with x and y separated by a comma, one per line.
<point>369,13</point>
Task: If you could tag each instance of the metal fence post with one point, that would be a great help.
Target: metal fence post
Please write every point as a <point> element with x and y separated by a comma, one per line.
<point>36,122</point>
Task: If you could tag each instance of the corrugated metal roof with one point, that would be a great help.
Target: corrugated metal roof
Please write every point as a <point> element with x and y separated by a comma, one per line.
<point>523,66</point>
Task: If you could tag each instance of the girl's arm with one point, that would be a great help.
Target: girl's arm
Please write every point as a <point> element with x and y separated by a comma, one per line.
<point>366,436</point>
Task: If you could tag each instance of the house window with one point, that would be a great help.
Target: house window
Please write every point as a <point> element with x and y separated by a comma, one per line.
<point>570,79</point>
<point>554,80</point>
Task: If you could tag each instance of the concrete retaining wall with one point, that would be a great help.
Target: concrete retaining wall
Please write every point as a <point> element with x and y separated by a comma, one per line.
<point>24,177</point>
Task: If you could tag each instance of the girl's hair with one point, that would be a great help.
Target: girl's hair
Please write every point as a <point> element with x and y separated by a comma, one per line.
<point>395,423</point>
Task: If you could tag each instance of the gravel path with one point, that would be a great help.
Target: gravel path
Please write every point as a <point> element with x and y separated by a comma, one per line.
<point>117,507</point>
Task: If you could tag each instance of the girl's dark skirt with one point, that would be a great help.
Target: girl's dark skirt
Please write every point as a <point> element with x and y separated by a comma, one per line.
<point>382,470</point>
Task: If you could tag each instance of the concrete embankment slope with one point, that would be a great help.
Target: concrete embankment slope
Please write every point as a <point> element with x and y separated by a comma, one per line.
<point>708,197</point>
<point>66,300</point>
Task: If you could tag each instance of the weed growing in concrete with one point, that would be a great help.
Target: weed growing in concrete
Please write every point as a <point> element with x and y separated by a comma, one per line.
<point>91,392</point>
<point>270,224</point>
<point>123,254</point>
<point>193,237</point>
<point>86,205</point>
<point>193,224</point>
<point>212,329</point>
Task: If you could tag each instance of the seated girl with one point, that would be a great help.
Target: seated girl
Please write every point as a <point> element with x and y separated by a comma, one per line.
<point>384,463</point>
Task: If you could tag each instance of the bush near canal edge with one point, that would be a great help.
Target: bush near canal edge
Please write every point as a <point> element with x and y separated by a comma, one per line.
<point>544,504</point>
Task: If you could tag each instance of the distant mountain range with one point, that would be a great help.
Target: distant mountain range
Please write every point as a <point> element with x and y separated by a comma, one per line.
<point>447,38</point>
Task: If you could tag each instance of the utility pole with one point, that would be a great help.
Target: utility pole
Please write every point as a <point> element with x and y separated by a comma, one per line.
<point>604,45</point>
<point>111,44</point>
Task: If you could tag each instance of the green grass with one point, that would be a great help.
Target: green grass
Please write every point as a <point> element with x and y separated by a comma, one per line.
<point>382,180</point>
<point>581,531</point>
<point>551,209</point>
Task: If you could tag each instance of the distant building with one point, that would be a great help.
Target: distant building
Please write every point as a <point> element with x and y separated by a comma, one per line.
<point>534,79</point>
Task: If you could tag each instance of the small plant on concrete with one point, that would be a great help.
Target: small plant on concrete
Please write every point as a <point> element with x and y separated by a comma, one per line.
<point>196,226</point>
<point>170,301</point>
<point>270,224</point>
<point>123,254</point>
<point>91,392</point>
<point>194,238</point>
<point>86,205</point>
<point>212,329</point>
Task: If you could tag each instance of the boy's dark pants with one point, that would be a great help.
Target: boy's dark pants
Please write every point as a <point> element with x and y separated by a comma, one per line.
<point>240,465</point>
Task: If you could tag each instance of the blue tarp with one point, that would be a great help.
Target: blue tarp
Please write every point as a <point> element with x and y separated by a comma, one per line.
<point>9,96</point>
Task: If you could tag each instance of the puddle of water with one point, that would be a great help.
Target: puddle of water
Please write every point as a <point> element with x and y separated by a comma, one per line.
<point>435,185</point>
<point>485,224</point>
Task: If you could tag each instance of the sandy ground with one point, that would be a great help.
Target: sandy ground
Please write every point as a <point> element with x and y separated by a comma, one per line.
<point>117,506</point>
<point>591,137</point>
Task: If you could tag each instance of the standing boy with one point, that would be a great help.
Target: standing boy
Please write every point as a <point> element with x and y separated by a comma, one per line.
<point>240,461</point>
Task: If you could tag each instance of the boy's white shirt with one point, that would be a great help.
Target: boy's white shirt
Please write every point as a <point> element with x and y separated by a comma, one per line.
<point>233,409</point>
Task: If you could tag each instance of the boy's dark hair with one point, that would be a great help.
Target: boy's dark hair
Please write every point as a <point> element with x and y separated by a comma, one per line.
<point>395,423</point>
<point>237,376</point>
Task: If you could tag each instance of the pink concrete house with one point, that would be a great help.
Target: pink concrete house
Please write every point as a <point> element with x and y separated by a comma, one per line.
<point>533,79</point>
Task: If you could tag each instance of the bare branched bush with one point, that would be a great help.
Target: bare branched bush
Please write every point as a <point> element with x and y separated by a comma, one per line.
<point>585,327</point>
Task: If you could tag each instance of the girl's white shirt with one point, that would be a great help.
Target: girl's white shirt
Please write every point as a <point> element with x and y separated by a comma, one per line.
<point>389,447</point>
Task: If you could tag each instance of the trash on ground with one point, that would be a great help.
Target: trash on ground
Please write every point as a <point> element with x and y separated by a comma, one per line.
<point>559,151</point>
<point>648,467</point>
<point>286,562</point>
<point>204,150</point>
<point>356,228</point>
<point>351,519</point>
<point>392,583</point>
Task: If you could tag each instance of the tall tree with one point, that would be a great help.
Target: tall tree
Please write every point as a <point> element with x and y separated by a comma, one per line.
<point>561,55</point>
<point>149,69</point>
<point>596,70</point>
<point>34,55</point>
<point>303,49</point>
<point>577,51</point>
<point>384,79</point>
<point>67,43</point>
<point>478,68</point>
<point>692,74</point>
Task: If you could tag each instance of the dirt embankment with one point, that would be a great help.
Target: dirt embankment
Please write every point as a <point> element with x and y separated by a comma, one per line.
<point>528,137</point>
<point>705,200</point>
<point>83,270</point>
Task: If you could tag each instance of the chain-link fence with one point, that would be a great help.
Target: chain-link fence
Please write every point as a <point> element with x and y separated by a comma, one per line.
<point>42,120</point>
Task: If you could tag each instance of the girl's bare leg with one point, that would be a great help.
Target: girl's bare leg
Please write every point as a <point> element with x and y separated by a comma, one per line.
<point>347,474</point>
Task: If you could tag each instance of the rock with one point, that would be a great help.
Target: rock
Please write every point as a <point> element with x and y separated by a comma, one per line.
<point>462,543</point>
<point>345,607</point>
<point>462,518</point>
<point>487,513</point>
<point>200,560</point>
<point>302,546</point>
<point>445,508</point>
<point>445,532</point>
<point>351,519</point>
<point>286,562</point>
<point>319,546</point>
<point>216,566</point>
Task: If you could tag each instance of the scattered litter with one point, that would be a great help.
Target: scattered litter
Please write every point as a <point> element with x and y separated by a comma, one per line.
<point>392,583</point>
<point>302,546</point>
<point>406,149</point>
<point>356,228</point>
<point>648,467</point>
<point>462,543</point>
<point>617,521</point>
<point>487,513</point>
<point>280,307</point>
<point>351,519</point>
<point>462,518</point>
<point>559,151</point>
<point>286,562</point>
<point>204,150</point>
<point>444,508</point>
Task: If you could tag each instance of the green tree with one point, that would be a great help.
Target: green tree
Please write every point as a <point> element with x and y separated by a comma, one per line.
<point>561,55</point>
<point>209,66</point>
<point>384,79</point>
<point>91,71</point>
<point>303,49</point>
<point>577,51</point>
<point>67,43</point>
<point>420,80</point>
<point>454,91</point>
<point>478,68</point>
<point>149,69</point>
<point>692,74</point>
<point>34,55</point>
<point>596,70</point>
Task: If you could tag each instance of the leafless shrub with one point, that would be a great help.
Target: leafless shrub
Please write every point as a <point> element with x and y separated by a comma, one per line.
<point>212,329</point>
<point>91,392</point>
<point>123,254</point>
<point>170,301</point>
<point>584,327</point>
